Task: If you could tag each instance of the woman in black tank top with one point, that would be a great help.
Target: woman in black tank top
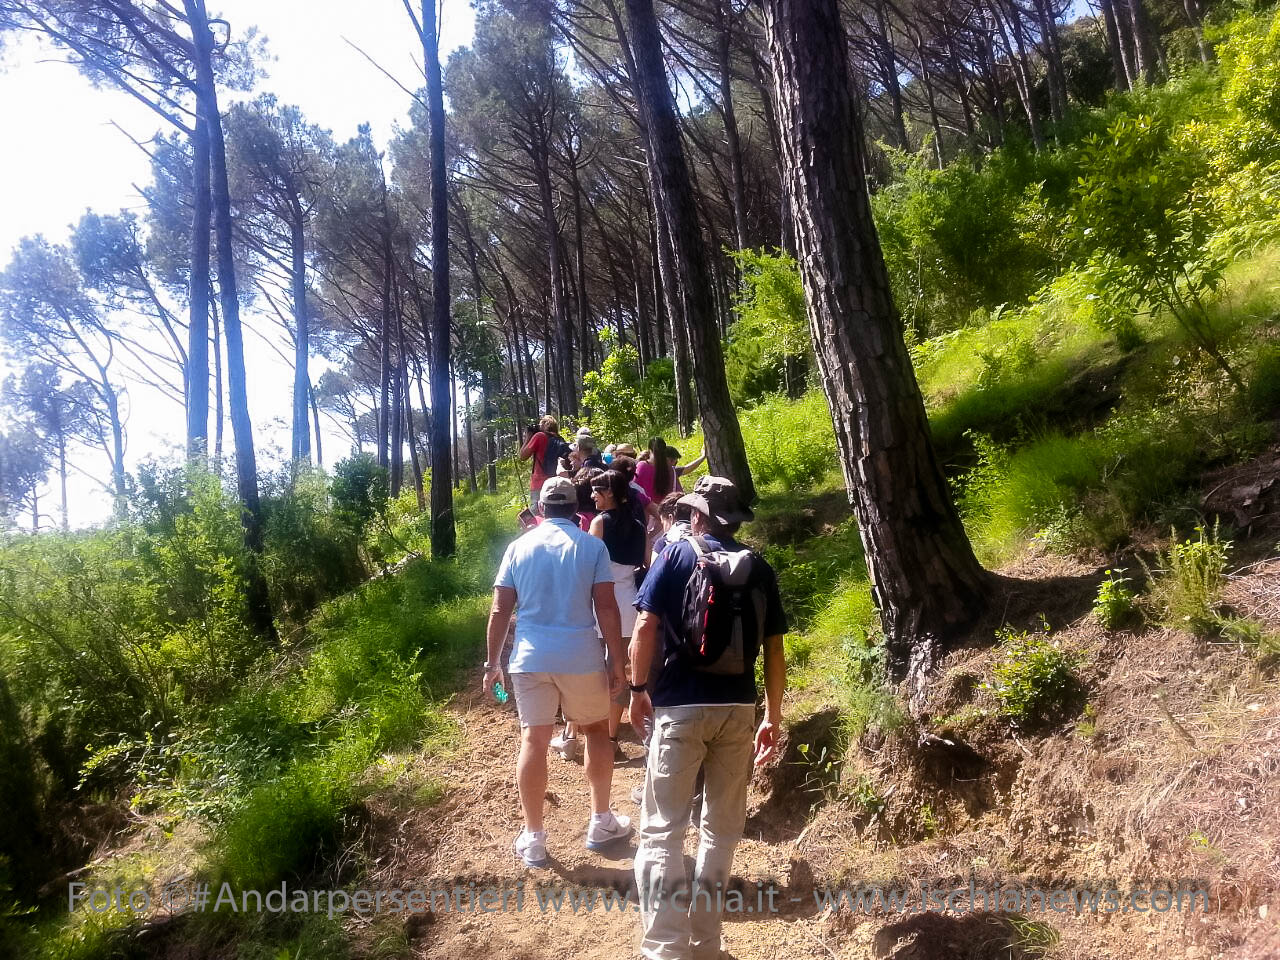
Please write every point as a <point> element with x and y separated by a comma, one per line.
<point>623,533</point>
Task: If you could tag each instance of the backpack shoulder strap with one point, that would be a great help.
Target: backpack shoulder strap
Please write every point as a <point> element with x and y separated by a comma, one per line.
<point>700,545</point>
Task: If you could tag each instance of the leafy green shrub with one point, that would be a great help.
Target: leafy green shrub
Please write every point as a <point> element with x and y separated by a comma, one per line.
<point>768,343</point>
<point>282,826</point>
<point>311,551</point>
<point>789,442</point>
<point>1143,205</point>
<point>968,236</point>
<point>1113,605</point>
<point>359,489</point>
<point>1188,580</point>
<point>1264,384</point>
<point>1034,678</point>
<point>1250,67</point>
<point>622,404</point>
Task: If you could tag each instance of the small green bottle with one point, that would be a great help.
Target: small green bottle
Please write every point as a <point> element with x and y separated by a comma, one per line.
<point>500,692</point>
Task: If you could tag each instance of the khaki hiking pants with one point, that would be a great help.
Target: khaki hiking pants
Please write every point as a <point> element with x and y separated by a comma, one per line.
<point>683,922</point>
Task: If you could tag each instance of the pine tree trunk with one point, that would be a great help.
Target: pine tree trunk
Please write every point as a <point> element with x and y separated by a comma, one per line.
<point>62,477</point>
<point>564,325</point>
<point>219,413</point>
<point>926,581</point>
<point>301,376</point>
<point>725,449</point>
<point>411,430</point>
<point>315,414</point>
<point>444,536</point>
<point>384,343</point>
<point>1114,45</point>
<point>889,71</point>
<point>1144,49</point>
<point>258,600</point>
<point>198,324</point>
<point>723,49</point>
<point>471,447</point>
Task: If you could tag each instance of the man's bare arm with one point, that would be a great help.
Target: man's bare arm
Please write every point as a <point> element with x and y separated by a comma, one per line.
<point>775,682</point>
<point>610,620</point>
<point>644,641</point>
<point>504,604</point>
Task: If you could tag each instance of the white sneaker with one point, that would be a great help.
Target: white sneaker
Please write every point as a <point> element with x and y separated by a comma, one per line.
<point>567,747</point>
<point>604,830</point>
<point>532,848</point>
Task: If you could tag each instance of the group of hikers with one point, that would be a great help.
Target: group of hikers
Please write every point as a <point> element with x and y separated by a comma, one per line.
<point>631,596</point>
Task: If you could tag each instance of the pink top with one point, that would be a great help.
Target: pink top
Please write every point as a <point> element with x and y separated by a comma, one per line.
<point>646,475</point>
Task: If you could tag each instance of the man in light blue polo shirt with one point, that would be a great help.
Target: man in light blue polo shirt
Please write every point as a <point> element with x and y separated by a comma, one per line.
<point>560,581</point>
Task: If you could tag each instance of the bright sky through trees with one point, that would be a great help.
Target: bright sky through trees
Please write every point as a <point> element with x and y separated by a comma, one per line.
<point>63,155</point>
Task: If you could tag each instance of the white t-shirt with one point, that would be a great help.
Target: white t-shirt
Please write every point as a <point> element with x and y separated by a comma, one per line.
<point>553,568</point>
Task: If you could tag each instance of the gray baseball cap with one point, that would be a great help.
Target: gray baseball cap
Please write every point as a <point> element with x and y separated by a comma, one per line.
<point>558,491</point>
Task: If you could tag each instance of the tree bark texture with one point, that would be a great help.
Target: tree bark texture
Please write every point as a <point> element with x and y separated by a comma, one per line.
<point>725,450</point>
<point>444,536</point>
<point>925,579</point>
<point>198,326</point>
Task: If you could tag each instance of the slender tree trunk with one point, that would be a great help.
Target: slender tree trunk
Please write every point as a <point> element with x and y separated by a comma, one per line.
<point>726,451</point>
<point>962,93</point>
<point>62,478</point>
<point>397,411</point>
<point>1022,79</point>
<point>257,597</point>
<point>1114,45</point>
<point>723,49</point>
<point>471,448</point>
<point>1144,47</point>
<point>453,426</point>
<point>219,415</point>
<point>315,415</point>
<point>112,403</point>
<point>889,70</point>
<point>384,344</point>
<point>580,268</point>
<point>664,261</point>
<point>490,443</point>
<point>1052,61</point>
<point>418,488</point>
<point>564,325</point>
<point>301,353</point>
<point>917,37</point>
<point>926,581</point>
<point>444,536</point>
<point>198,324</point>
<point>546,375</point>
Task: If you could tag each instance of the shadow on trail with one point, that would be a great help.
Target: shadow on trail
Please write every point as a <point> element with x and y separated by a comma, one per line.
<point>975,936</point>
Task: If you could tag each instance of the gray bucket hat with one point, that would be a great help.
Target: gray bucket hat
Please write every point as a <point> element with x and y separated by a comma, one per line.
<point>717,499</point>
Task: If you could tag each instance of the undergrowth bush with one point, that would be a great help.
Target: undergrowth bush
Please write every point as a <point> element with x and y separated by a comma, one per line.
<point>1186,585</point>
<point>1034,679</point>
<point>789,442</point>
<point>1114,604</point>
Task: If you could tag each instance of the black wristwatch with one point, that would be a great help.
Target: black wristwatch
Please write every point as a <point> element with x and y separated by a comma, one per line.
<point>638,687</point>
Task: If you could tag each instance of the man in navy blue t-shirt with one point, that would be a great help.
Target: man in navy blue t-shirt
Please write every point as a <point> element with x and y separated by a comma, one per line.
<point>700,720</point>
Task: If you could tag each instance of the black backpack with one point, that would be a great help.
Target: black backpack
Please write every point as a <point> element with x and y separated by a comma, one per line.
<point>556,448</point>
<point>722,613</point>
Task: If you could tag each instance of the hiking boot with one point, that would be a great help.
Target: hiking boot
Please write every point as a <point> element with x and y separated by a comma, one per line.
<point>532,848</point>
<point>567,747</point>
<point>607,828</point>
